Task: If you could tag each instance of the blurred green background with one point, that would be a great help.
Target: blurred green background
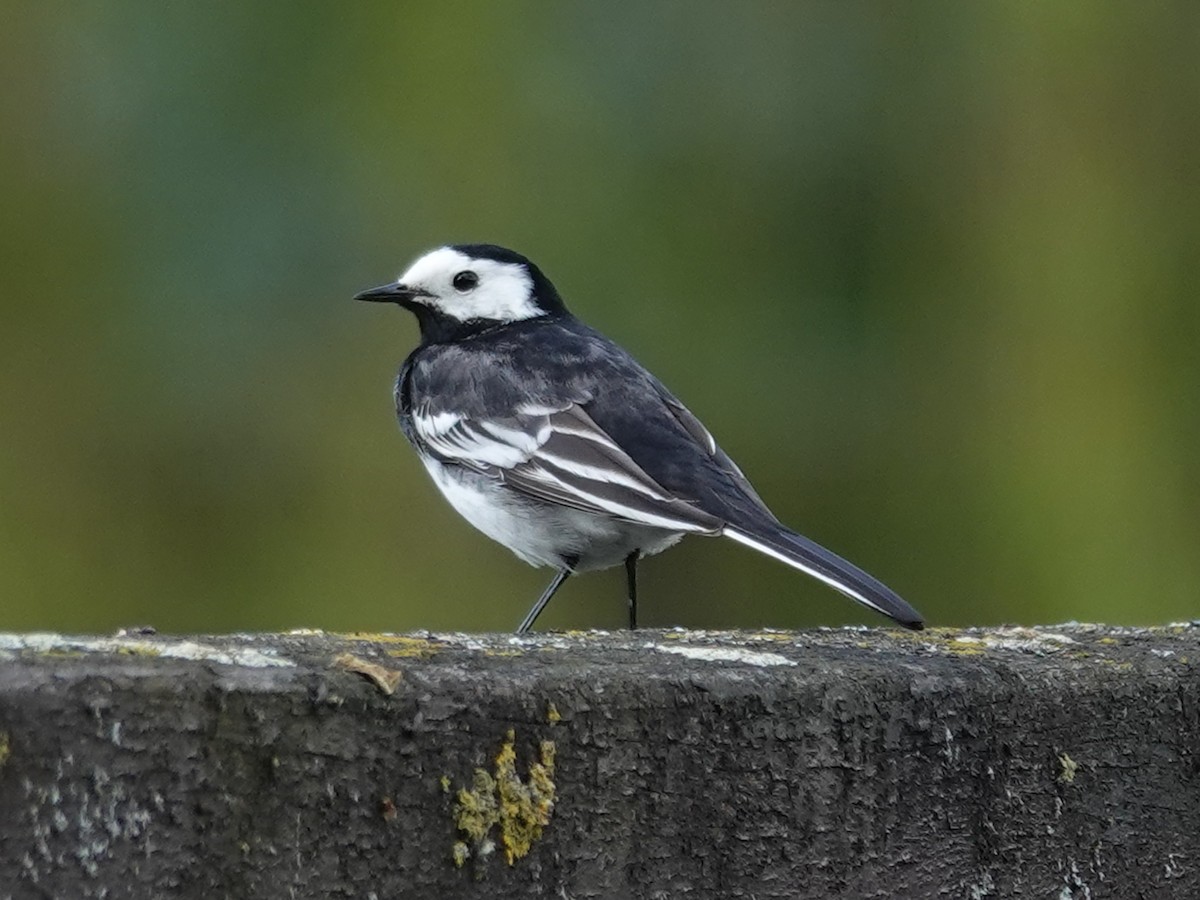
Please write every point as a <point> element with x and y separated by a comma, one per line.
<point>928,271</point>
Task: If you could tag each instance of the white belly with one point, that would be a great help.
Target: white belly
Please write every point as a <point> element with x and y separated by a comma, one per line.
<point>541,533</point>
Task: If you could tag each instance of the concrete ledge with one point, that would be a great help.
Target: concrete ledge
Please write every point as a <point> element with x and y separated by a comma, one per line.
<point>1044,763</point>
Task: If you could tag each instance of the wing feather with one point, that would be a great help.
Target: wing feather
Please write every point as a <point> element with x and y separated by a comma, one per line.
<point>561,456</point>
<point>703,436</point>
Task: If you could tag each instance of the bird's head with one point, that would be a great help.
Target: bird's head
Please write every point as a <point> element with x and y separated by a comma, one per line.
<point>468,287</point>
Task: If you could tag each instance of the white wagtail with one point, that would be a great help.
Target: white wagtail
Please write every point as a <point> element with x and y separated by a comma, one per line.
<point>552,440</point>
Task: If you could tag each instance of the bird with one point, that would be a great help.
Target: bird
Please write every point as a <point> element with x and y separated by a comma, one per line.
<point>555,442</point>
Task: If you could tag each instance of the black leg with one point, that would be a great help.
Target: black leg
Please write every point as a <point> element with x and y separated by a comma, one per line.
<point>631,576</point>
<point>563,574</point>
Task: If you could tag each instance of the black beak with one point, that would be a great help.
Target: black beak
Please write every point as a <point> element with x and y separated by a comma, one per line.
<point>391,293</point>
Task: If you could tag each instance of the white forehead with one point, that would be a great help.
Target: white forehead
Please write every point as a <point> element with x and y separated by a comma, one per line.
<point>504,292</point>
<point>436,266</point>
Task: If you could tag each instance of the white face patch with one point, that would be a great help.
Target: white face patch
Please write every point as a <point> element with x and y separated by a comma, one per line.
<point>504,291</point>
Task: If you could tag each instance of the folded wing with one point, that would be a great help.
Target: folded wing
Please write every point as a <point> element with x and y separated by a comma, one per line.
<point>562,456</point>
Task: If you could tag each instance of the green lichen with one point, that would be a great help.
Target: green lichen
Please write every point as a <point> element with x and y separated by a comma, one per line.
<point>1069,768</point>
<point>477,809</point>
<point>139,648</point>
<point>519,809</point>
<point>946,640</point>
<point>5,748</point>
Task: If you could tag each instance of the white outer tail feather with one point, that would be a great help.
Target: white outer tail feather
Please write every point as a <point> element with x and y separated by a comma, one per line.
<point>742,538</point>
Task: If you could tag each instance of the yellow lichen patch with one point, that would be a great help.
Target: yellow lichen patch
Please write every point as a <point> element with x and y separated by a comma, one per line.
<point>5,748</point>
<point>1038,641</point>
<point>477,810</point>
<point>541,781</point>
<point>959,647</point>
<point>777,636</point>
<point>525,807</point>
<point>413,648</point>
<point>1069,768</point>
<point>946,640</point>
<point>411,653</point>
<point>1108,640</point>
<point>444,781</point>
<point>505,652</point>
<point>520,809</point>
<point>460,852</point>
<point>378,637</point>
<point>945,632</point>
<point>935,635</point>
<point>399,645</point>
<point>553,716</point>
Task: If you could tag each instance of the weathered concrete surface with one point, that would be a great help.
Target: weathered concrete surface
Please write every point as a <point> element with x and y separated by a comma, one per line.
<point>1053,763</point>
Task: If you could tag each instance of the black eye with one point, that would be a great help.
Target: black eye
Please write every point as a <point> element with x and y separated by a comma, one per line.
<point>464,281</point>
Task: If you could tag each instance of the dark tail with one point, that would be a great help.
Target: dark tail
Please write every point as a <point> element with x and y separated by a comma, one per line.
<point>801,553</point>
